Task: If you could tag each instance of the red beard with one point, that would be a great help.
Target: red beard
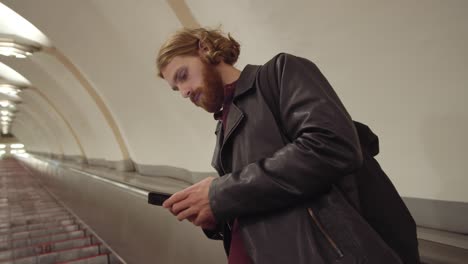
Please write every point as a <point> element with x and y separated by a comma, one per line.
<point>211,94</point>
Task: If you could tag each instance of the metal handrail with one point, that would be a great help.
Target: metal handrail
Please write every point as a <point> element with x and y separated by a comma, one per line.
<point>138,191</point>
<point>118,184</point>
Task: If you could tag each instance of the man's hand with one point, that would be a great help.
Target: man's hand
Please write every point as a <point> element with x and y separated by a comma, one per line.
<point>193,204</point>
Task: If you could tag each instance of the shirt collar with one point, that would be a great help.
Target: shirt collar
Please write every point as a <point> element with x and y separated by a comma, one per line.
<point>229,90</point>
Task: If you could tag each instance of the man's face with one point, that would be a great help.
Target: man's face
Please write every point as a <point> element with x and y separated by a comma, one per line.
<point>197,80</point>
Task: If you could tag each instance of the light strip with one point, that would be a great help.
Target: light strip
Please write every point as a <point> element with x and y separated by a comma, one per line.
<point>5,103</point>
<point>12,48</point>
<point>17,146</point>
<point>9,89</point>
<point>5,118</point>
<point>6,113</point>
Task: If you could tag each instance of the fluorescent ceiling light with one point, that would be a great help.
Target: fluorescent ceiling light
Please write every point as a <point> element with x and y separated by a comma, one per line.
<point>11,52</point>
<point>12,48</point>
<point>9,89</point>
<point>6,113</point>
<point>5,118</point>
<point>5,129</point>
<point>6,103</point>
<point>17,146</point>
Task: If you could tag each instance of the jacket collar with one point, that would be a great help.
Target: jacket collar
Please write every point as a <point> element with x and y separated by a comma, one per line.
<point>246,79</point>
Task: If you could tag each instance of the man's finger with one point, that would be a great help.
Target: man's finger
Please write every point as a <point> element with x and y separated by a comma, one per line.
<point>176,197</point>
<point>180,206</point>
<point>186,214</point>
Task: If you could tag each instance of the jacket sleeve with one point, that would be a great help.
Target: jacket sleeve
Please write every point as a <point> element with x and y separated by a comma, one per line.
<point>323,146</point>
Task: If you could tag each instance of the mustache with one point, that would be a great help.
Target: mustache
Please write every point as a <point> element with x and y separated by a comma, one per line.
<point>195,96</point>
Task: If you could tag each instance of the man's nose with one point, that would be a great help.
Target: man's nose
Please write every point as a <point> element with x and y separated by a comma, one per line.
<point>185,93</point>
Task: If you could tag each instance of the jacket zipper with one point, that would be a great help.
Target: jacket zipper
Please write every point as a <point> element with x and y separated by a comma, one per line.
<point>325,234</point>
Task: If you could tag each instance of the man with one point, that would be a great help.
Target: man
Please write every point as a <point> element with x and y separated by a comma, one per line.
<point>298,182</point>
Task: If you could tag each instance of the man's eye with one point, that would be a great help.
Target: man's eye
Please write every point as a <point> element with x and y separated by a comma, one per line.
<point>182,76</point>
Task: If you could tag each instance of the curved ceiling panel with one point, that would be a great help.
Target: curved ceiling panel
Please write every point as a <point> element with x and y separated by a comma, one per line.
<point>27,136</point>
<point>49,116</point>
<point>26,125</point>
<point>8,75</point>
<point>13,24</point>
<point>55,82</point>
<point>42,123</point>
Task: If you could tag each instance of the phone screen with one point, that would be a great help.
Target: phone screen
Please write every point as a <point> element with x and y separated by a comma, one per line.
<point>157,198</point>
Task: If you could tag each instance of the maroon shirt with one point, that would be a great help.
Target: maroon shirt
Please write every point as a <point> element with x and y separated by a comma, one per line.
<point>237,252</point>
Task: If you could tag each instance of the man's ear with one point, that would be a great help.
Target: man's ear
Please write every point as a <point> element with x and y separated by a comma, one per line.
<point>202,47</point>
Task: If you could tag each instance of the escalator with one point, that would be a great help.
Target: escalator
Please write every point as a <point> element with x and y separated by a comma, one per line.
<point>36,228</point>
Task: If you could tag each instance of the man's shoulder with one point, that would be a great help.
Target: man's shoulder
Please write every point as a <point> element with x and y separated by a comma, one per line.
<point>274,67</point>
<point>280,57</point>
<point>274,64</point>
<point>283,58</point>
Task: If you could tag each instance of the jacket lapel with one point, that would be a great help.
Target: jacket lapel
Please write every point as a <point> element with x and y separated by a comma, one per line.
<point>215,162</point>
<point>233,120</point>
<point>245,83</point>
<point>235,116</point>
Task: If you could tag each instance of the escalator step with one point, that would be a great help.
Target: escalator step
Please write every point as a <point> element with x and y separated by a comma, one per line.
<point>45,248</point>
<point>11,244</point>
<point>33,227</point>
<point>59,256</point>
<point>98,259</point>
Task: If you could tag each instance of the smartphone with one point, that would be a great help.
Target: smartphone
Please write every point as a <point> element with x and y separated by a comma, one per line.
<point>157,198</point>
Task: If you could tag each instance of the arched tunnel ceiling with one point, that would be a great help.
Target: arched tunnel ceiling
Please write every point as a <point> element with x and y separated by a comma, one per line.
<point>128,76</point>
<point>387,61</point>
<point>55,82</point>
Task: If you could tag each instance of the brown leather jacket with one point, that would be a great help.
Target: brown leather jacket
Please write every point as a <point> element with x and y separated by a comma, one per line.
<point>288,160</point>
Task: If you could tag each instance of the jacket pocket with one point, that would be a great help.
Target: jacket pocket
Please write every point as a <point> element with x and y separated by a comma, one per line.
<point>325,234</point>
